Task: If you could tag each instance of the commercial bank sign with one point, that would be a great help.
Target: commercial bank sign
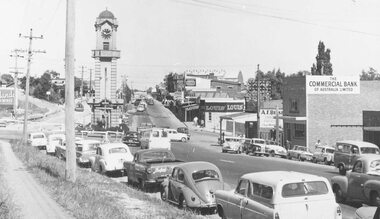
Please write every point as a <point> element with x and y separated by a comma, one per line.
<point>316,84</point>
<point>6,96</point>
<point>224,107</point>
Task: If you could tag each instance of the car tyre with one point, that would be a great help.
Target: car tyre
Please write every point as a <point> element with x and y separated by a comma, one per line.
<point>299,158</point>
<point>374,198</point>
<point>221,212</point>
<point>183,139</point>
<point>272,154</point>
<point>163,194</point>
<point>142,185</point>
<point>339,198</point>
<point>314,160</point>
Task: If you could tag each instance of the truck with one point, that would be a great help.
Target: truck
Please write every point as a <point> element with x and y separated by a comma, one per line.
<point>150,167</point>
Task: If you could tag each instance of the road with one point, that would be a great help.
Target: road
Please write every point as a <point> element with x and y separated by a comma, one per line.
<point>202,146</point>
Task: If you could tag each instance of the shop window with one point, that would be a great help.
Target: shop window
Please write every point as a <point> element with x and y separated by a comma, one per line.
<point>106,46</point>
<point>299,130</point>
<point>209,116</point>
<point>294,106</point>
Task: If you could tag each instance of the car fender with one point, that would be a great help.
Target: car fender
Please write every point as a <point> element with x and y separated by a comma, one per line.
<point>102,164</point>
<point>369,186</point>
<point>340,181</point>
<point>192,199</point>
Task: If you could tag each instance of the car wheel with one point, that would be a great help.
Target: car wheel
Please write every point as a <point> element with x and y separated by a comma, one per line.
<point>272,154</point>
<point>163,194</point>
<point>223,151</point>
<point>221,212</point>
<point>299,158</point>
<point>326,161</point>
<point>339,198</point>
<point>182,203</point>
<point>342,170</point>
<point>142,185</point>
<point>374,198</point>
<point>183,139</point>
<point>314,160</point>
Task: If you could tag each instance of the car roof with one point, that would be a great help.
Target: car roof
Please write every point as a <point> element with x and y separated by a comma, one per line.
<point>358,143</point>
<point>37,133</point>
<point>369,157</point>
<point>86,141</point>
<point>274,178</point>
<point>112,145</point>
<point>325,146</point>
<point>197,165</point>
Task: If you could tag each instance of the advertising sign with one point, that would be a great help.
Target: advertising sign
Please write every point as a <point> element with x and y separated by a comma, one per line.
<point>268,118</point>
<point>224,107</point>
<point>190,82</point>
<point>6,96</point>
<point>318,84</point>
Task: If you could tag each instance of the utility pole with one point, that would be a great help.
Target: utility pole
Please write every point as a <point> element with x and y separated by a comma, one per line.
<point>16,72</point>
<point>30,53</point>
<point>81,85</point>
<point>70,169</point>
<point>90,82</point>
<point>258,100</point>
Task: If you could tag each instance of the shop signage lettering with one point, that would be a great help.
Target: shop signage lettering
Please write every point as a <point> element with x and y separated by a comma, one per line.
<point>6,96</point>
<point>224,107</point>
<point>190,82</point>
<point>317,84</point>
<point>268,118</point>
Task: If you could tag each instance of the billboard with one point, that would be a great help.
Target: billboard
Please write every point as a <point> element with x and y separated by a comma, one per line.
<point>224,107</point>
<point>321,84</point>
<point>268,118</point>
<point>6,96</point>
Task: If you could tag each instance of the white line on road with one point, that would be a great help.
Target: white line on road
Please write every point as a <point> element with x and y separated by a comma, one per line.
<point>228,161</point>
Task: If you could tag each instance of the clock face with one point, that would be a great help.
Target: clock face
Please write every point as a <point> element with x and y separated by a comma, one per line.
<point>106,33</point>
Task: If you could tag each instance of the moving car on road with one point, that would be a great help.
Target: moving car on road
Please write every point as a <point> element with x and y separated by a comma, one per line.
<point>85,150</point>
<point>38,140</point>
<point>110,158</point>
<point>154,138</point>
<point>140,108</point>
<point>131,139</point>
<point>300,153</point>
<point>324,154</point>
<point>279,195</point>
<point>255,146</point>
<point>174,135</point>
<point>192,185</point>
<point>149,168</point>
<point>234,144</point>
<point>347,152</point>
<point>361,184</point>
<point>273,149</point>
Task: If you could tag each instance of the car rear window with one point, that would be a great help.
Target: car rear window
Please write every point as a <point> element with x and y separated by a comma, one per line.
<point>121,150</point>
<point>304,189</point>
<point>367,150</point>
<point>38,136</point>
<point>156,156</point>
<point>330,150</point>
<point>205,175</point>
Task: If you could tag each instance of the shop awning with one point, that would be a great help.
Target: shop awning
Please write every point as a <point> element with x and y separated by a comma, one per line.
<point>293,118</point>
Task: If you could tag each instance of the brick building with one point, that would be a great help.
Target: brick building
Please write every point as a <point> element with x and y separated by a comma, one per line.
<point>330,117</point>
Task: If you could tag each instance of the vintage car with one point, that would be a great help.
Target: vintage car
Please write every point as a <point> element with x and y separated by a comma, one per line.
<point>110,157</point>
<point>54,140</point>
<point>60,149</point>
<point>140,108</point>
<point>362,183</point>
<point>85,150</point>
<point>367,213</point>
<point>300,153</point>
<point>279,194</point>
<point>273,149</point>
<point>254,146</point>
<point>131,139</point>
<point>192,185</point>
<point>38,140</point>
<point>232,144</point>
<point>324,154</point>
<point>174,135</point>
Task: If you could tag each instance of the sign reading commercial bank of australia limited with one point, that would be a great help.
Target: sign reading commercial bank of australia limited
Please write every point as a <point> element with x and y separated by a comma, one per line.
<point>6,96</point>
<point>224,107</point>
<point>317,84</point>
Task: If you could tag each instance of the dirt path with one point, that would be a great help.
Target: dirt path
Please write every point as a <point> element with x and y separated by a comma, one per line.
<point>30,197</point>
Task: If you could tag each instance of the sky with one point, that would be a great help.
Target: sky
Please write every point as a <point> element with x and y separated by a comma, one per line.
<point>162,36</point>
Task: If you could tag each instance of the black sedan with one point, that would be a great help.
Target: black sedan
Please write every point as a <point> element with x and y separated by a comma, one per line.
<point>131,139</point>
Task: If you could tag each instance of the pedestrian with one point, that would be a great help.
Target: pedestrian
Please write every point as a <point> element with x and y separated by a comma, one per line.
<point>195,121</point>
<point>202,123</point>
<point>318,144</point>
<point>288,145</point>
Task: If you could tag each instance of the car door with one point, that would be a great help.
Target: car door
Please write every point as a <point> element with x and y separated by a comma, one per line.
<point>172,178</point>
<point>177,184</point>
<point>176,136</point>
<point>236,200</point>
<point>356,180</point>
<point>97,158</point>
<point>256,203</point>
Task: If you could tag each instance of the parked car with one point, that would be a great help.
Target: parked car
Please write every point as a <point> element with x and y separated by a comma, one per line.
<point>85,150</point>
<point>38,140</point>
<point>110,157</point>
<point>324,154</point>
<point>347,152</point>
<point>140,108</point>
<point>79,107</point>
<point>233,144</point>
<point>174,135</point>
<point>254,146</point>
<point>184,130</point>
<point>154,138</point>
<point>273,149</point>
<point>362,183</point>
<point>149,168</point>
<point>192,185</point>
<point>279,194</point>
<point>300,153</point>
<point>131,139</point>
<point>54,140</point>
<point>367,213</point>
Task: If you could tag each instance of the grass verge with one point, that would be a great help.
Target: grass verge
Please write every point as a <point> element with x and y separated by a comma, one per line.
<point>94,195</point>
<point>8,208</point>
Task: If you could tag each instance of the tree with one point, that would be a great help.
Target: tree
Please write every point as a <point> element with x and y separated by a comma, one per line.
<point>7,78</point>
<point>170,82</point>
<point>323,65</point>
<point>370,75</point>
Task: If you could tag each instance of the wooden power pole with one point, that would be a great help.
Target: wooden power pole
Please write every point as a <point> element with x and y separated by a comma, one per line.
<point>70,170</point>
<point>16,72</point>
<point>258,100</point>
<point>30,53</point>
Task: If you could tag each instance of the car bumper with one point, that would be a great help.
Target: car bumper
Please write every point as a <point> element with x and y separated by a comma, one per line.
<point>40,147</point>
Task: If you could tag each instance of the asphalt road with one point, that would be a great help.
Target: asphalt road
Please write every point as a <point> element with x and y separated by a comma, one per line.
<point>203,147</point>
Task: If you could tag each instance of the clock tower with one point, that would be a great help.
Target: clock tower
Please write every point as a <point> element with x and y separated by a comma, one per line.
<point>105,105</point>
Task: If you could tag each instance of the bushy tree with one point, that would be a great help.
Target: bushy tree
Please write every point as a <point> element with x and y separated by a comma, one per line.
<point>7,78</point>
<point>369,75</point>
<point>323,65</point>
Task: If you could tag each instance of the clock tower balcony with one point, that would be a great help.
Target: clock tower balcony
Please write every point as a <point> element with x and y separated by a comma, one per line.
<point>99,53</point>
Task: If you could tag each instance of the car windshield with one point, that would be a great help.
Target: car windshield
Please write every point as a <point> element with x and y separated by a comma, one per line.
<point>304,189</point>
<point>119,150</point>
<point>369,150</point>
<point>38,136</point>
<point>205,175</point>
<point>156,156</point>
<point>259,142</point>
<point>331,151</point>
<point>232,139</point>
